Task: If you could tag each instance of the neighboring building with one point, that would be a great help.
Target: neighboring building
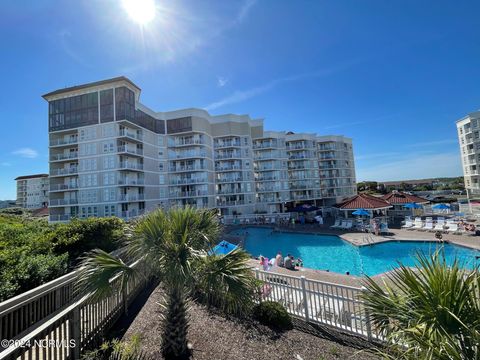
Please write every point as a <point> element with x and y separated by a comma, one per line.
<point>111,155</point>
<point>32,191</point>
<point>469,139</point>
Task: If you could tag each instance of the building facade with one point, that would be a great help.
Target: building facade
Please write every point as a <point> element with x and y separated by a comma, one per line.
<point>111,155</point>
<point>468,129</point>
<point>32,191</point>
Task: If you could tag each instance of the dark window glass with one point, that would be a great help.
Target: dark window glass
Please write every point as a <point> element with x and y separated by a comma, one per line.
<point>179,125</point>
<point>74,111</point>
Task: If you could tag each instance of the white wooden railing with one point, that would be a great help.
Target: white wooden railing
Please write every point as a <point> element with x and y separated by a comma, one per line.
<point>65,329</point>
<point>338,306</point>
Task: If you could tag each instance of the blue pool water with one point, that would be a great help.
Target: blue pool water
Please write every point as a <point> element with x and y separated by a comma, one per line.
<point>330,252</point>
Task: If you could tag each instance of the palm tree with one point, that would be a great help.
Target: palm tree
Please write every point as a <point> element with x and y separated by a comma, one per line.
<point>428,312</point>
<point>176,246</point>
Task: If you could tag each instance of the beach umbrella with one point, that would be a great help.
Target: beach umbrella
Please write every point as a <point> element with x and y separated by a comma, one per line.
<point>441,207</point>
<point>361,212</point>
<point>412,206</point>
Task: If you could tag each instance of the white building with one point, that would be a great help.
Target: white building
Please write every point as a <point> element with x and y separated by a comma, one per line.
<point>468,129</point>
<point>111,155</point>
<point>32,191</point>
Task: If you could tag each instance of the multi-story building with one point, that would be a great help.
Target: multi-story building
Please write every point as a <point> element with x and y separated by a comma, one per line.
<point>111,155</point>
<point>468,129</point>
<point>32,191</point>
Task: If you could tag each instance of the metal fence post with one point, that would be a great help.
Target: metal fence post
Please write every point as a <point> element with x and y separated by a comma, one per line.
<point>75,333</point>
<point>367,319</point>
<point>305,300</point>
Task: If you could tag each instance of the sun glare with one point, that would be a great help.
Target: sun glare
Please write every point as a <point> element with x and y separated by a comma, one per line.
<point>140,11</point>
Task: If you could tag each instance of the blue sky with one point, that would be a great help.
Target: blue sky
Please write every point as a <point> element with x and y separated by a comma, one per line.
<point>393,75</point>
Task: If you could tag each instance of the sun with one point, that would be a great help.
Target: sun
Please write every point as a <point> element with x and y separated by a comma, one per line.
<point>140,11</point>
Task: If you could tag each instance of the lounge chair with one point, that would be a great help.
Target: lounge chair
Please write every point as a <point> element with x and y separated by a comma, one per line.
<point>439,225</point>
<point>408,224</point>
<point>418,225</point>
<point>336,225</point>
<point>348,225</point>
<point>428,226</point>
<point>452,227</point>
<point>384,228</point>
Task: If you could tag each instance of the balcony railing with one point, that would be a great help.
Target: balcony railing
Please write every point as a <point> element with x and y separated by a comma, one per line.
<point>228,180</point>
<point>62,202</point>
<point>183,181</point>
<point>188,154</point>
<point>130,166</point>
<point>130,134</point>
<point>127,181</point>
<point>63,187</point>
<point>228,168</point>
<point>60,142</point>
<point>193,193</point>
<point>232,155</point>
<point>231,203</point>
<point>68,156</point>
<point>63,172</point>
<point>187,168</point>
<point>131,197</point>
<point>230,191</point>
<point>265,145</point>
<point>225,144</point>
<point>126,149</point>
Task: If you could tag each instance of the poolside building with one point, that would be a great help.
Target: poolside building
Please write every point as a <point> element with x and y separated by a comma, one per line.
<point>111,155</point>
<point>468,131</point>
<point>32,191</point>
<point>398,200</point>
<point>376,206</point>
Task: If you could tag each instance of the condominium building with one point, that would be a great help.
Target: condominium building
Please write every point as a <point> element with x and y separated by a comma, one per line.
<point>32,191</point>
<point>468,129</point>
<point>111,155</point>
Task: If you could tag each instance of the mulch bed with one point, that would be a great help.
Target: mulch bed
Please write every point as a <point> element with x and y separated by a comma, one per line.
<point>215,336</point>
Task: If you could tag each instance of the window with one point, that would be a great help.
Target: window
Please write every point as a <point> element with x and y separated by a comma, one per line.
<point>88,164</point>
<point>88,180</point>
<point>88,149</point>
<point>109,194</point>
<point>109,178</point>
<point>109,162</point>
<point>87,134</point>
<point>88,196</point>
<point>106,105</point>
<point>162,179</point>
<point>108,146</point>
<point>110,210</point>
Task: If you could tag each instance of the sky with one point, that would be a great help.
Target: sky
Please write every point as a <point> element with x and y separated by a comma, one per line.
<point>393,75</point>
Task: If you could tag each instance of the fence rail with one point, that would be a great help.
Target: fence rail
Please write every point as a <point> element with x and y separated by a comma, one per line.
<point>64,332</point>
<point>319,302</point>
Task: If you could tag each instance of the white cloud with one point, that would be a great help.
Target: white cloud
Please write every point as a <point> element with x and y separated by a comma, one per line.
<point>221,81</point>
<point>242,95</point>
<point>416,166</point>
<point>26,153</point>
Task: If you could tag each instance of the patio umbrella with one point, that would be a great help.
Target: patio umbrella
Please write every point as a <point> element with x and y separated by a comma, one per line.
<point>412,206</point>
<point>361,212</point>
<point>441,207</point>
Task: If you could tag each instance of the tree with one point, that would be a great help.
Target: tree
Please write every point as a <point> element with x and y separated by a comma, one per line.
<point>176,247</point>
<point>431,312</point>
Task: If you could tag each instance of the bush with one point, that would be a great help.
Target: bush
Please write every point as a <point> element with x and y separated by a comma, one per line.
<point>273,314</point>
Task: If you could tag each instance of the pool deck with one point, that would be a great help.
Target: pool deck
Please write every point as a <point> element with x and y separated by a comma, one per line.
<point>363,239</point>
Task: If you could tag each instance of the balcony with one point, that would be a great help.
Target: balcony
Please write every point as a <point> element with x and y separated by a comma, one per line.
<point>63,187</point>
<point>60,217</point>
<point>227,144</point>
<point>62,202</point>
<point>130,166</point>
<point>64,172</point>
<point>188,154</point>
<point>62,157</point>
<point>126,150</point>
<point>231,155</point>
<point>296,146</point>
<point>179,142</point>
<point>186,168</point>
<point>63,142</point>
<point>231,203</point>
<point>131,197</point>
<point>131,134</point>
<point>184,194</point>
<point>229,179</point>
<point>130,182</point>
<point>183,181</point>
<point>228,168</point>
<point>265,145</point>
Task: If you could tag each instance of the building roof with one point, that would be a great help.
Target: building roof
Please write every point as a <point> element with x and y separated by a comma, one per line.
<point>363,201</point>
<point>95,83</point>
<point>25,177</point>
<point>400,198</point>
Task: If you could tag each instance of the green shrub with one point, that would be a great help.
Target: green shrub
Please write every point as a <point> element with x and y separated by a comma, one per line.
<point>273,314</point>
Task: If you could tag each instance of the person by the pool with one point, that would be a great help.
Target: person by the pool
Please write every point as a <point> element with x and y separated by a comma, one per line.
<point>279,259</point>
<point>288,262</point>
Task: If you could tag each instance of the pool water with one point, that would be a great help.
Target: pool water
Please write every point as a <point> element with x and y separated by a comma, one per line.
<point>330,252</point>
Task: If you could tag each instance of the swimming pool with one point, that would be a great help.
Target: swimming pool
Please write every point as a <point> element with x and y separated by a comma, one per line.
<point>330,252</point>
